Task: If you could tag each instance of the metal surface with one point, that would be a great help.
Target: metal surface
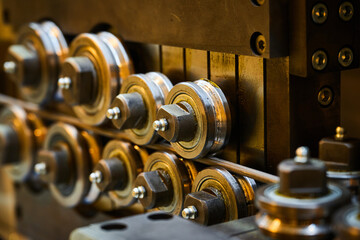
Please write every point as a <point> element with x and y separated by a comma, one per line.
<point>39,51</point>
<point>140,97</point>
<point>347,223</point>
<point>111,64</point>
<point>184,21</point>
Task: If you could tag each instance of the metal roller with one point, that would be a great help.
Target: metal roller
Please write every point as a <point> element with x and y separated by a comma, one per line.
<point>34,61</point>
<point>134,109</point>
<point>65,163</point>
<point>116,172</point>
<point>196,119</point>
<point>21,135</point>
<point>164,183</point>
<point>218,196</point>
<point>92,75</point>
<point>301,205</point>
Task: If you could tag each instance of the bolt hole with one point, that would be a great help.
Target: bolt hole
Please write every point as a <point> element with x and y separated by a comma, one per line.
<point>114,227</point>
<point>160,216</point>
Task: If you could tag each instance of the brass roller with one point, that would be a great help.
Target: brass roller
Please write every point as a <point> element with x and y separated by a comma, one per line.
<point>164,183</point>
<point>92,75</point>
<point>196,119</point>
<point>65,163</point>
<point>34,61</point>
<point>134,109</point>
<point>21,135</point>
<point>116,172</point>
<point>218,196</point>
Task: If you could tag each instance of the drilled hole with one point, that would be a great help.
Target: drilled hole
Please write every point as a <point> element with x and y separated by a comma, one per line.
<point>160,216</point>
<point>114,227</point>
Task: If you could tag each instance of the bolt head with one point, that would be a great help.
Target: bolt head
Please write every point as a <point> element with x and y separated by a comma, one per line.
<point>325,96</point>
<point>319,13</point>
<point>345,57</point>
<point>346,11</point>
<point>319,60</point>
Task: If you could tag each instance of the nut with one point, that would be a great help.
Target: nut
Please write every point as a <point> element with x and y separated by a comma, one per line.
<point>181,122</point>
<point>305,178</point>
<point>158,189</point>
<point>210,207</point>
<point>82,86</point>
<point>132,110</point>
<point>26,64</point>
<point>113,174</point>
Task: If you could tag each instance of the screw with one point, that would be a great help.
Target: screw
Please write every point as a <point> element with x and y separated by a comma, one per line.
<point>64,83</point>
<point>260,44</point>
<point>96,177</point>
<point>138,192</point>
<point>10,67</point>
<point>340,134</point>
<point>319,60</point>
<point>302,155</point>
<point>40,168</point>
<point>113,113</point>
<point>325,96</point>
<point>345,57</point>
<point>319,13</point>
<point>189,212</point>
<point>160,125</point>
<point>346,11</point>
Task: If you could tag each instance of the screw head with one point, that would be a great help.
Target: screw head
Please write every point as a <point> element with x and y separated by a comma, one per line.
<point>319,60</point>
<point>9,67</point>
<point>340,133</point>
<point>302,155</point>
<point>325,96</point>
<point>64,83</point>
<point>346,11</point>
<point>345,57</point>
<point>260,44</point>
<point>319,13</point>
<point>40,168</point>
<point>160,125</point>
<point>138,192</point>
<point>113,113</point>
<point>189,212</point>
<point>96,177</point>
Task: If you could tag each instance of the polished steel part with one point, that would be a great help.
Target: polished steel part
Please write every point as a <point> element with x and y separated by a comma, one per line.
<point>34,61</point>
<point>217,196</point>
<point>121,163</point>
<point>69,155</point>
<point>93,73</point>
<point>164,183</point>
<point>300,206</point>
<point>198,119</point>
<point>22,134</point>
<point>135,108</point>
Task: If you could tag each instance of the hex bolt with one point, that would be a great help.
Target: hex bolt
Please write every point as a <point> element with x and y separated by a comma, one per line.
<point>138,192</point>
<point>340,133</point>
<point>160,125</point>
<point>96,177</point>
<point>10,67</point>
<point>319,13</point>
<point>325,96</point>
<point>319,60</point>
<point>346,11</point>
<point>64,83</point>
<point>113,113</point>
<point>302,155</point>
<point>40,168</point>
<point>189,212</point>
<point>345,57</point>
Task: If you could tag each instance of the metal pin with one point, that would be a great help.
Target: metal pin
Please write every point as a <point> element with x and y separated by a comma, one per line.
<point>113,113</point>
<point>340,134</point>
<point>138,192</point>
<point>189,212</point>
<point>302,155</point>
<point>64,83</point>
<point>160,125</point>
<point>40,168</point>
<point>96,177</point>
<point>10,67</point>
